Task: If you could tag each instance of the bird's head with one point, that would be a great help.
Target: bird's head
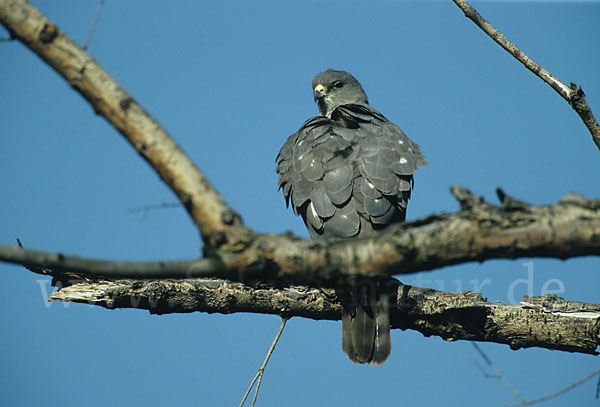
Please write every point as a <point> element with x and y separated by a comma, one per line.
<point>335,88</point>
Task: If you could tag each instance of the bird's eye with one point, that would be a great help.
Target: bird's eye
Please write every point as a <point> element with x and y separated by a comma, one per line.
<point>338,84</point>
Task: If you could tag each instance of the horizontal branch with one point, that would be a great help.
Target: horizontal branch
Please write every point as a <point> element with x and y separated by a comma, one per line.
<point>548,321</point>
<point>479,231</point>
<point>572,94</point>
<point>217,222</point>
<point>56,263</point>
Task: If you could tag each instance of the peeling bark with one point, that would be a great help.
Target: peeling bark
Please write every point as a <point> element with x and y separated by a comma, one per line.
<point>547,322</point>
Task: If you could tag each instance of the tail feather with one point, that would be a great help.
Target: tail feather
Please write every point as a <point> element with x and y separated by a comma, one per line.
<point>383,340</point>
<point>363,329</point>
<point>366,324</point>
<point>347,345</point>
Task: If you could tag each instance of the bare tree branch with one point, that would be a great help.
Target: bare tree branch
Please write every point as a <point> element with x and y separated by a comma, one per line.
<point>547,321</point>
<point>53,263</point>
<point>567,229</point>
<point>218,223</point>
<point>572,94</point>
<point>479,231</point>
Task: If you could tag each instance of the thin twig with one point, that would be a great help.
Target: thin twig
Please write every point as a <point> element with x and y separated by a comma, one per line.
<point>559,392</point>
<point>572,94</point>
<point>524,402</point>
<point>260,372</point>
<point>483,372</point>
<point>89,38</point>
<point>150,207</point>
<point>147,208</point>
<point>497,372</point>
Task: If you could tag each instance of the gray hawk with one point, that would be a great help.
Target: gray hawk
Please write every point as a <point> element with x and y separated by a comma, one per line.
<point>348,173</point>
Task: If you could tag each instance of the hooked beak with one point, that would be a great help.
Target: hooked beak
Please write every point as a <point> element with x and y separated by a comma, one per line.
<point>319,93</point>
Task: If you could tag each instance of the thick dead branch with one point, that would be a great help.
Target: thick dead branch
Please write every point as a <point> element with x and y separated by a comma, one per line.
<point>479,231</point>
<point>572,94</point>
<point>547,321</point>
<point>477,234</point>
<point>217,222</point>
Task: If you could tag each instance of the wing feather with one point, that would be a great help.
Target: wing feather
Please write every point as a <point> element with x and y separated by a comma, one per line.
<point>350,174</point>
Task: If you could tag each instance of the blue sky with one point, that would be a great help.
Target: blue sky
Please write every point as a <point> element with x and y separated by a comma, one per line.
<point>230,81</point>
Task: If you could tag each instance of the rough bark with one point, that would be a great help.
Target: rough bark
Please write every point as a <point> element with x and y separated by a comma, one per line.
<point>479,231</point>
<point>548,321</point>
<point>483,233</point>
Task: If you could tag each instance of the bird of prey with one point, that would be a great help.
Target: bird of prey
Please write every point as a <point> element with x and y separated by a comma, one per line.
<point>349,172</point>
